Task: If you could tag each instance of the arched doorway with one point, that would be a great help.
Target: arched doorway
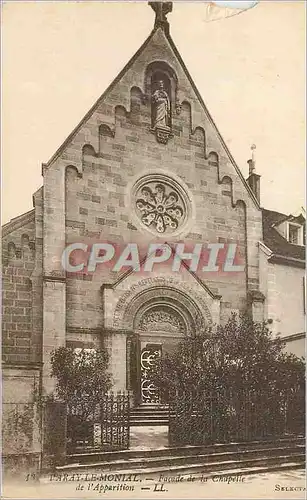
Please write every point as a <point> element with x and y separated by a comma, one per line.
<point>158,326</point>
<point>153,314</point>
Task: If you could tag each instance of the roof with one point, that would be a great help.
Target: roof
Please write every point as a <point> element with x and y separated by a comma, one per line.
<point>274,240</point>
<point>17,222</point>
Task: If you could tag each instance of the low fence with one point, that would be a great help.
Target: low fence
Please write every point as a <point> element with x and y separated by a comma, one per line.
<point>40,435</point>
<point>225,416</point>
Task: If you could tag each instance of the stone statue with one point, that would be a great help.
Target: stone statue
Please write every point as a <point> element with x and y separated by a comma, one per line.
<point>161,106</point>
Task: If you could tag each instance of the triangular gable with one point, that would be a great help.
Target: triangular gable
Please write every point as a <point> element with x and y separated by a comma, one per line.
<point>124,275</point>
<point>161,39</point>
<point>132,288</point>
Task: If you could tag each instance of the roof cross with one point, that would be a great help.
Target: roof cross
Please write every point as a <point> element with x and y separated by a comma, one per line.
<point>161,9</point>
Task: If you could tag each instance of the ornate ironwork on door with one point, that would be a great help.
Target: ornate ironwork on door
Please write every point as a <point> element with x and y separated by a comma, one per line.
<point>149,355</point>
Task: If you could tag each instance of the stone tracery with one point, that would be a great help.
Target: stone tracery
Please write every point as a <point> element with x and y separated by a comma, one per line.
<point>160,206</point>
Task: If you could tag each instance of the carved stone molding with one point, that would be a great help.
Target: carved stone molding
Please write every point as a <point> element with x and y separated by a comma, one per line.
<point>178,107</point>
<point>161,318</point>
<point>162,292</point>
<point>163,134</point>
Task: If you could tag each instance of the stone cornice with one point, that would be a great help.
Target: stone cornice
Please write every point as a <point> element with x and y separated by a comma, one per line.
<point>121,331</point>
<point>59,279</point>
<point>287,261</point>
<point>97,331</point>
<point>256,296</point>
<point>87,331</point>
<point>265,249</point>
<point>22,366</point>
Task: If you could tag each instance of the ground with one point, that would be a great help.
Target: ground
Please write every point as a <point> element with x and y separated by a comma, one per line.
<point>279,485</point>
<point>274,485</point>
<point>149,436</point>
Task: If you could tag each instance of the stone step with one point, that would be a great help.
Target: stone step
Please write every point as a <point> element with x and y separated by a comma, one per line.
<point>94,455</point>
<point>152,406</point>
<point>202,460</point>
<point>193,468</point>
<point>148,422</point>
<point>257,470</point>
<point>149,414</point>
<point>239,471</point>
<point>140,409</point>
<point>208,467</point>
<point>149,417</point>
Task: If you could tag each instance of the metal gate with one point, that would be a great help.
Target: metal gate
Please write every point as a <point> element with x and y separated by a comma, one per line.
<point>115,422</point>
<point>105,429</point>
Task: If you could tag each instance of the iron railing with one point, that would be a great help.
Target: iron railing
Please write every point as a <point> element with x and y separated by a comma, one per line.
<point>225,416</point>
<point>105,428</point>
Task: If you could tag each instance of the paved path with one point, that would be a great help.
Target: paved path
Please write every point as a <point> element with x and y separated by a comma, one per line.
<point>275,485</point>
<point>155,436</point>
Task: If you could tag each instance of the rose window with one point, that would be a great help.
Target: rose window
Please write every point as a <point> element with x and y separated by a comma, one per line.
<point>160,206</point>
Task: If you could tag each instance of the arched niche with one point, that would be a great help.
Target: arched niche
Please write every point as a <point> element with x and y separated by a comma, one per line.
<point>156,72</point>
<point>25,240</point>
<point>11,250</point>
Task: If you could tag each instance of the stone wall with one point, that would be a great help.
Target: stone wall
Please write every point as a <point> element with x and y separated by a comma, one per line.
<point>21,439</point>
<point>296,346</point>
<point>19,343</point>
<point>283,287</point>
<point>22,340</point>
<point>89,182</point>
<point>114,147</point>
<point>88,196</point>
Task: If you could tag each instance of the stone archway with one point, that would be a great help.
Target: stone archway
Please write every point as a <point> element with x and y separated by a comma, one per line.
<point>194,309</point>
<point>159,317</point>
<point>158,325</point>
<point>158,310</point>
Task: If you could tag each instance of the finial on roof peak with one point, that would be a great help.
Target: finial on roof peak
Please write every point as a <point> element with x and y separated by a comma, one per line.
<point>252,162</point>
<point>161,9</point>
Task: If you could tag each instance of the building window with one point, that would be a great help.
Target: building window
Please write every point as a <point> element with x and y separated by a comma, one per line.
<point>295,234</point>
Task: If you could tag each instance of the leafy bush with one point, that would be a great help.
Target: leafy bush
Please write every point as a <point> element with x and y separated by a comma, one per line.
<point>240,354</point>
<point>81,382</point>
<point>236,383</point>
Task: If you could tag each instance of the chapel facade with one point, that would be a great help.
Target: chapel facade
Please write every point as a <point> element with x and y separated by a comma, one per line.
<point>147,165</point>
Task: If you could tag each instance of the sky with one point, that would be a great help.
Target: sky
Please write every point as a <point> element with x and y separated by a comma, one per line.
<point>59,57</point>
